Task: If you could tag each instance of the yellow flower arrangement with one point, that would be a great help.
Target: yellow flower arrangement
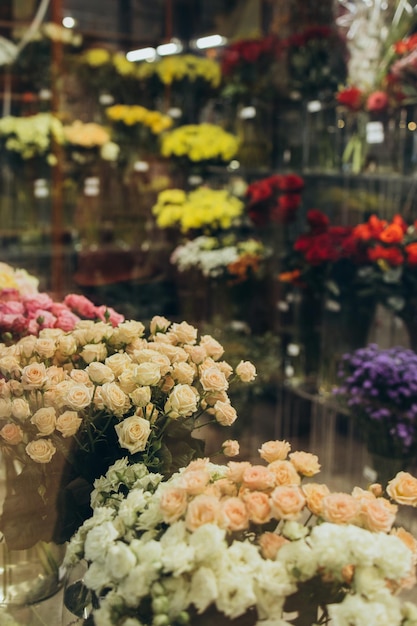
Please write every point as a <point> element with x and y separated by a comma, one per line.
<point>180,67</point>
<point>95,57</point>
<point>200,142</point>
<point>135,114</point>
<point>122,66</point>
<point>30,136</point>
<point>202,208</point>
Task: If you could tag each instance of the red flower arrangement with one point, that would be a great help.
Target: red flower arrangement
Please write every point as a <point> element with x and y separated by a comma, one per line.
<point>249,51</point>
<point>274,199</point>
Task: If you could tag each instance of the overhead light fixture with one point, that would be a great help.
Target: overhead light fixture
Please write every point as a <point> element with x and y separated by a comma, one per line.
<point>211,41</point>
<point>68,22</point>
<point>142,54</point>
<point>172,47</point>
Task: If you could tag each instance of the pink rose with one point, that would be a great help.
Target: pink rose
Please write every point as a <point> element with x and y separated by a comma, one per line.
<point>258,506</point>
<point>44,318</point>
<point>173,504</point>
<point>202,510</point>
<point>287,502</point>
<point>341,508</point>
<point>258,477</point>
<point>36,302</point>
<point>234,514</point>
<point>81,305</point>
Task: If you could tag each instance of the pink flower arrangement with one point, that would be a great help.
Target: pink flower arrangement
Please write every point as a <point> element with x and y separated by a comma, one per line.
<point>22,315</point>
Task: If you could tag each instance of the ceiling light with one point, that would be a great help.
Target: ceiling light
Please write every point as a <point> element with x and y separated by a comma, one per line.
<point>142,54</point>
<point>68,22</point>
<point>212,41</point>
<point>173,47</point>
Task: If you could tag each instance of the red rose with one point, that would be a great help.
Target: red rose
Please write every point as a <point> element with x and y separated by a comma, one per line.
<point>289,201</point>
<point>290,182</point>
<point>377,101</point>
<point>351,97</point>
<point>397,219</point>
<point>411,252</point>
<point>321,251</point>
<point>392,234</point>
<point>259,191</point>
<point>317,220</point>
<point>303,242</point>
<point>393,255</point>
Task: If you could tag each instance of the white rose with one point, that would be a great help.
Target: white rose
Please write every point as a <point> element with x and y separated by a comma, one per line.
<point>127,331</point>
<point>224,413</point>
<point>78,396</point>
<point>141,396</point>
<point>20,408</point>
<point>5,407</point>
<point>94,352</point>
<point>46,347</point>
<point>99,373</point>
<point>213,379</point>
<point>41,450</point>
<point>34,376</point>
<point>114,398</point>
<point>212,347</point>
<point>26,346</point>
<point>67,345</point>
<point>128,378</point>
<point>44,419</point>
<point>183,333</point>
<point>183,373</point>
<point>159,324</point>
<point>182,401</point>
<point>99,539</point>
<point>148,374</point>
<point>81,376</point>
<point>68,423</point>
<point>118,362</point>
<point>133,433</point>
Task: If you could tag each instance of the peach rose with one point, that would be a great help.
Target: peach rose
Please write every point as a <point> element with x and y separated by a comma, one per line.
<point>81,376</point>
<point>224,413</point>
<point>41,450</point>
<point>173,504</point>
<point>403,489</point>
<point>258,506</point>
<point>225,368</point>
<point>133,433</point>
<point>167,384</point>
<point>212,379</point>
<point>224,487</point>
<point>182,401</point>
<point>314,494</point>
<point>234,514</point>
<point>11,434</point>
<point>287,502</point>
<point>378,515</point>
<point>197,354</point>
<point>68,423</point>
<point>274,450</point>
<point>34,376</point>
<point>202,510</point>
<point>45,420</point>
<point>305,463</point>
<point>246,371</point>
<point>230,447</point>
<point>194,482</point>
<point>236,469</point>
<point>270,543</point>
<point>218,396</point>
<point>341,508</point>
<point>94,352</point>
<point>258,478</point>
<point>408,539</point>
<point>20,408</point>
<point>212,347</point>
<point>174,354</point>
<point>284,473</point>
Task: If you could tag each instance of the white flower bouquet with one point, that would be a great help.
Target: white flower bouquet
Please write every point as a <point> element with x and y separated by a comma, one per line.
<point>257,541</point>
<point>72,403</point>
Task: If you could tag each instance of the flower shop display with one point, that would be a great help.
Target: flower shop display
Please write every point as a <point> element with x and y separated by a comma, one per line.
<point>274,199</point>
<point>31,136</point>
<point>73,402</point>
<point>181,68</point>
<point>203,209</point>
<point>246,543</point>
<point>200,142</point>
<point>379,386</point>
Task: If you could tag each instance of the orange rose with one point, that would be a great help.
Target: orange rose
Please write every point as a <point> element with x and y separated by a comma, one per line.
<point>270,543</point>
<point>408,539</point>
<point>403,489</point>
<point>202,510</point>
<point>393,255</point>
<point>258,506</point>
<point>378,515</point>
<point>411,252</point>
<point>392,234</point>
<point>236,469</point>
<point>234,514</point>
<point>285,473</point>
<point>258,477</point>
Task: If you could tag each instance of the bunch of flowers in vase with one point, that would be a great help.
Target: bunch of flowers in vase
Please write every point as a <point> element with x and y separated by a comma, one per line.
<point>390,248</point>
<point>331,272</point>
<point>379,386</point>
<point>74,402</point>
<point>245,543</point>
<point>274,199</point>
<point>203,209</point>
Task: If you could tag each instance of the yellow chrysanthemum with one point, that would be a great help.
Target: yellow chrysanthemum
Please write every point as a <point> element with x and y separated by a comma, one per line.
<point>32,135</point>
<point>200,142</point>
<point>135,114</point>
<point>180,67</point>
<point>123,66</point>
<point>198,209</point>
<point>96,57</point>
